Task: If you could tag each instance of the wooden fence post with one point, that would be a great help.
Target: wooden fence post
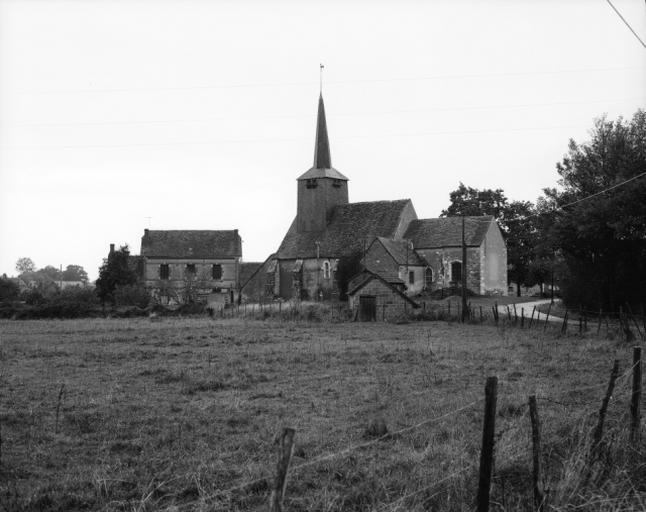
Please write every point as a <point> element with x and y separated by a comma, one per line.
<point>285,449</point>
<point>522,317</point>
<point>531,320</point>
<point>564,326</point>
<point>486,453</point>
<point>598,431</point>
<point>508,313</point>
<point>635,413</point>
<point>537,477</point>
<point>515,315</point>
<point>547,316</point>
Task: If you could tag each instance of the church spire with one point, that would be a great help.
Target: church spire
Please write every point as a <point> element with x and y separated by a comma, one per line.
<point>322,159</point>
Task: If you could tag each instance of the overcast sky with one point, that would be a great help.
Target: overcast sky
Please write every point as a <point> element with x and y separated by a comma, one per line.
<point>121,115</point>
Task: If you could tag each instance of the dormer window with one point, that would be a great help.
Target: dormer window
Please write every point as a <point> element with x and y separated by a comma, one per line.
<point>311,183</point>
<point>336,183</point>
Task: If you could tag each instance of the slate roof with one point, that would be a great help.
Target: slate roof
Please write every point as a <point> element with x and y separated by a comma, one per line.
<point>401,252</point>
<point>447,231</point>
<point>322,167</point>
<point>191,244</point>
<point>351,225</point>
<point>248,270</point>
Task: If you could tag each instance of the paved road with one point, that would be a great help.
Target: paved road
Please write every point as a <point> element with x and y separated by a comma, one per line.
<point>529,306</point>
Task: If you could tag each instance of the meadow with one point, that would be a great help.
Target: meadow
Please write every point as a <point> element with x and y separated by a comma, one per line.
<point>182,413</point>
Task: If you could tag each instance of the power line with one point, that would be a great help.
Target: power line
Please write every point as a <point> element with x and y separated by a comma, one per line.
<point>334,82</point>
<point>348,114</point>
<point>602,191</point>
<point>627,24</point>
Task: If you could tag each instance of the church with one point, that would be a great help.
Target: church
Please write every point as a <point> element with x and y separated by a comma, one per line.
<point>421,255</point>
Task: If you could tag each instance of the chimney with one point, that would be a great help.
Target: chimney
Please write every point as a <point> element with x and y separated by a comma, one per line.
<point>145,231</point>
<point>111,248</point>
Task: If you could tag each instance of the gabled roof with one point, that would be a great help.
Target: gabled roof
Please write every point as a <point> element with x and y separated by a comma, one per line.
<point>447,231</point>
<point>366,276</point>
<point>351,225</point>
<point>401,252</point>
<point>191,244</point>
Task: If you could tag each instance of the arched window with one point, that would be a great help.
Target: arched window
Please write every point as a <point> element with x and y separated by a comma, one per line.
<point>456,272</point>
<point>326,270</point>
<point>428,278</point>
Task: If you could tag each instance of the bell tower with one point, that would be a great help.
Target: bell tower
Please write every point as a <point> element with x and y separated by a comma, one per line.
<point>322,187</point>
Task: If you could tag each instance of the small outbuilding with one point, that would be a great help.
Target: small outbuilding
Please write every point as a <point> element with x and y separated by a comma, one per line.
<point>372,297</point>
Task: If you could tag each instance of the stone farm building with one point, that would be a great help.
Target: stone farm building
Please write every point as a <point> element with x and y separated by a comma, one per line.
<point>192,265</point>
<point>388,238</point>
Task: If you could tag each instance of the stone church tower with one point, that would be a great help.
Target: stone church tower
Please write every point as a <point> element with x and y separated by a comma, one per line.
<point>322,187</point>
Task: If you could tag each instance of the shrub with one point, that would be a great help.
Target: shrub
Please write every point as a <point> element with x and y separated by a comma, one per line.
<point>132,295</point>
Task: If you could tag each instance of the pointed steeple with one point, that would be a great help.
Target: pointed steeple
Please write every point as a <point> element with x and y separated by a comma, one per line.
<point>322,159</point>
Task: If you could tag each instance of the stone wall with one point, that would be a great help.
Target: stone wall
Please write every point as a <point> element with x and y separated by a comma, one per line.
<point>440,261</point>
<point>495,262</point>
<point>181,284</point>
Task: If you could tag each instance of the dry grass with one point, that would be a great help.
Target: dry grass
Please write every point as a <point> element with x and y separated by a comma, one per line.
<point>165,414</point>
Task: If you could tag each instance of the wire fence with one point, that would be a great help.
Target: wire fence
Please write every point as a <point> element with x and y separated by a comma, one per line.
<point>393,506</point>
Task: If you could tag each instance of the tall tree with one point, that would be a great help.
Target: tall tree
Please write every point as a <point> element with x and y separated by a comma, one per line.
<point>115,271</point>
<point>603,239</point>
<point>471,201</point>
<point>24,265</point>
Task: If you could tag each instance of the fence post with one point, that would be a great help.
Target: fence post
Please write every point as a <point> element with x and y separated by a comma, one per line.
<point>635,413</point>
<point>486,453</point>
<point>547,316</point>
<point>508,313</point>
<point>531,320</point>
<point>539,495</point>
<point>285,449</point>
<point>515,315</point>
<point>449,314</point>
<point>522,317</point>
<point>598,431</point>
<point>564,326</point>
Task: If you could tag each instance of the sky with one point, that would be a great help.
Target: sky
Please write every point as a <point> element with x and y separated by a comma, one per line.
<point>116,116</point>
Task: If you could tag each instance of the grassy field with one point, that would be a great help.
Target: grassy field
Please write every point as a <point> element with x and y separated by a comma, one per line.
<point>165,414</point>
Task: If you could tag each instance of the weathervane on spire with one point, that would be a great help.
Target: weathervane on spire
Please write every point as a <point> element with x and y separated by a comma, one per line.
<point>321,66</point>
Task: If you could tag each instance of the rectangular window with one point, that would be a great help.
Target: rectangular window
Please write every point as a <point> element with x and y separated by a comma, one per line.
<point>190,269</point>
<point>164,271</point>
<point>216,271</point>
<point>311,183</point>
<point>411,277</point>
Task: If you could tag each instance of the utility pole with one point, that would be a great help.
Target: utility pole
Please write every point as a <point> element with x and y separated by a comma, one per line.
<point>464,274</point>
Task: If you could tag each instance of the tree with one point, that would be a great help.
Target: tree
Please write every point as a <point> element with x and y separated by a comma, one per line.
<point>471,201</point>
<point>50,272</point>
<point>347,267</point>
<point>24,265</point>
<point>8,289</point>
<point>603,238</point>
<point>114,272</point>
<point>75,273</point>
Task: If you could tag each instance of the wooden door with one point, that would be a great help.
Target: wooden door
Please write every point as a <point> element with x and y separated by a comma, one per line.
<point>367,308</point>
